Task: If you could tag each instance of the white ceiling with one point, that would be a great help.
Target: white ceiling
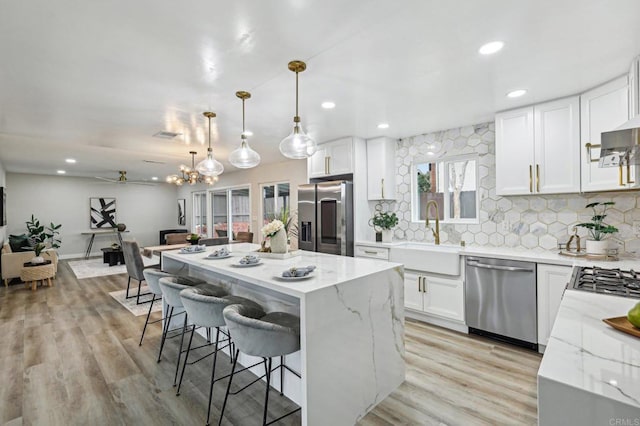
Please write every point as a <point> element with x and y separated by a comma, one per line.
<point>95,80</point>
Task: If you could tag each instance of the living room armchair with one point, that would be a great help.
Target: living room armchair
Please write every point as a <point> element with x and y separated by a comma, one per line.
<point>13,262</point>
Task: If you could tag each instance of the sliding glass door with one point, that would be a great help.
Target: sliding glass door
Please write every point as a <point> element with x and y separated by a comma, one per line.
<point>200,213</point>
<point>231,212</point>
<point>275,200</point>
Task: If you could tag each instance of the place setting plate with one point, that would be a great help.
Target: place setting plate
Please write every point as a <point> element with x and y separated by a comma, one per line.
<point>308,275</point>
<point>226,256</point>
<point>246,265</point>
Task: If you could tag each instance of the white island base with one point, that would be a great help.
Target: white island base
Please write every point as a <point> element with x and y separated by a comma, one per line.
<point>351,326</point>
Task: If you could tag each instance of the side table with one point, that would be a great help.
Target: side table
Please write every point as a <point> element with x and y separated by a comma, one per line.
<point>112,256</point>
<point>32,273</point>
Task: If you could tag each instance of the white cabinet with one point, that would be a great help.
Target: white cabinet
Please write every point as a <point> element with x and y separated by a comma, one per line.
<point>331,159</point>
<point>634,88</point>
<point>537,149</point>
<point>434,295</point>
<point>381,169</point>
<point>552,280</point>
<point>603,109</point>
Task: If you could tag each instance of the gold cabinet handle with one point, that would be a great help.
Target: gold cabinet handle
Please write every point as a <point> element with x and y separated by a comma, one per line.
<point>370,252</point>
<point>589,145</point>
<point>382,187</point>
<point>326,165</point>
<point>629,174</point>
<point>620,180</point>
<point>420,284</point>
<point>530,178</point>
<point>537,177</point>
<point>424,284</point>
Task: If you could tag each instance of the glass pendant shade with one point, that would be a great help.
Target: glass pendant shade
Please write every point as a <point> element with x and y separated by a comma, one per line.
<point>298,145</point>
<point>244,157</point>
<point>210,166</point>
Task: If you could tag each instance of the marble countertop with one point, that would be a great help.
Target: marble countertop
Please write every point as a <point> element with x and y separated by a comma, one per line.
<point>587,354</point>
<point>330,269</point>
<point>548,257</point>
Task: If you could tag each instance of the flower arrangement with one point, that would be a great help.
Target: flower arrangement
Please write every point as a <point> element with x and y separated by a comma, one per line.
<point>272,228</point>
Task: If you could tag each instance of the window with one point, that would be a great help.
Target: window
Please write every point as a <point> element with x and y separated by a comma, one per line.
<point>200,213</point>
<point>275,199</point>
<point>231,210</point>
<point>449,183</point>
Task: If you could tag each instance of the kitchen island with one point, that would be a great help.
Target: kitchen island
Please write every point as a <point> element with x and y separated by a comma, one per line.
<point>590,372</point>
<point>351,325</point>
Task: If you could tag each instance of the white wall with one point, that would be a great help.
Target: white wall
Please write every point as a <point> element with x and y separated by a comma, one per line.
<point>292,171</point>
<point>3,181</point>
<point>65,200</point>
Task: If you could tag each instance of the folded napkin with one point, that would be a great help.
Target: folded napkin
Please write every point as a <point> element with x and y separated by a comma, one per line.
<point>249,259</point>
<point>300,271</point>
<point>193,249</point>
<point>223,252</point>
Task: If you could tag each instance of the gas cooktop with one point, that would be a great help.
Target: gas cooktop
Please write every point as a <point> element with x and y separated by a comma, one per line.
<point>616,282</point>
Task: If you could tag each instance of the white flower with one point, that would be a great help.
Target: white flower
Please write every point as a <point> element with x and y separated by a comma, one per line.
<point>270,229</point>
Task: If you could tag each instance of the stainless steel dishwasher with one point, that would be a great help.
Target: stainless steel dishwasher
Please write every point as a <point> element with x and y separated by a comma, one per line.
<point>500,300</point>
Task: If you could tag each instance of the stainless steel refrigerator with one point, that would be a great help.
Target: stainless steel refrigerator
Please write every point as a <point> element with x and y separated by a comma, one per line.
<point>325,217</point>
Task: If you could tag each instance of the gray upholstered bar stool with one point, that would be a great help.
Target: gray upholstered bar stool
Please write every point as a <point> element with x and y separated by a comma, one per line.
<point>171,288</point>
<point>272,335</point>
<point>205,310</point>
<point>152,277</point>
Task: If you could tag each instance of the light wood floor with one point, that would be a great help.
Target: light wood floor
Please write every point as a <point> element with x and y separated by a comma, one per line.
<point>69,355</point>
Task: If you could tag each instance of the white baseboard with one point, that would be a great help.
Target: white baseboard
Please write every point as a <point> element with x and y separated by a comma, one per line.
<point>440,322</point>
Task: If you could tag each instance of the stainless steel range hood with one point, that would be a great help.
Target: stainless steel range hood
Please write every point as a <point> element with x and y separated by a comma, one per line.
<point>621,146</point>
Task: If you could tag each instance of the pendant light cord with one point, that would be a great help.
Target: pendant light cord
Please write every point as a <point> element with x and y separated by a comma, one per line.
<point>243,117</point>
<point>209,134</point>
<point>296,94</point>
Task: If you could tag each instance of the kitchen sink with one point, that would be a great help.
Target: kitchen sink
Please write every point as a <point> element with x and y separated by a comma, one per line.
<point>437,259</point>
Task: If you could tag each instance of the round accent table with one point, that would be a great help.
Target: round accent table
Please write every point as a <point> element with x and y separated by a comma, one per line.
<point>32,273</point>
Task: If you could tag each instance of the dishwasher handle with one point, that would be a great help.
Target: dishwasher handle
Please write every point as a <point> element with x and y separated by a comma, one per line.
<point>499,268</point>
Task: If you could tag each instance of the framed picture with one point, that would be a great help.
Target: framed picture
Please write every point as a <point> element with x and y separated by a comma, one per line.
<point>102,212</point>
<point>3,206</point>
<point>182,212</point>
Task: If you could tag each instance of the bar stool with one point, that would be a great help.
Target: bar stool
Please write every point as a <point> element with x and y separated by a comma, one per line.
<point>205,310</point>
<point>272,335</point>
<point>152,276</point>
<point>171,288</point>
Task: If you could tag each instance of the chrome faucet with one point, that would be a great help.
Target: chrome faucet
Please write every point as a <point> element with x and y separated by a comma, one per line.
<point>436,232</point>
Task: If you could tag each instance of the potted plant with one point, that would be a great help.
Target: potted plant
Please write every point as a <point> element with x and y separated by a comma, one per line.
<point>193,239</point>
<point>385,221</point>
<point>43,234</point>
<point>598,230</point>
<point>38,248</point>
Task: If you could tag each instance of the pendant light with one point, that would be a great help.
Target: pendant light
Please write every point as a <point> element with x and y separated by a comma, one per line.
<point>297,145</point>
<point>244,157</point>
<point>210,166</point>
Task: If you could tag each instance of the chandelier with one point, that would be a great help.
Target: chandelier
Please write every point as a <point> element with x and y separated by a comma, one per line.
<point>190,175</point>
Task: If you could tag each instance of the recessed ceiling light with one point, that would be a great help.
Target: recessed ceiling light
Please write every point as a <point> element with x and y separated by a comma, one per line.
<point>248,133</point>
<point>71,160</point>
<point>383,126</point>
<point>61,172</point>
<point>516,93</point>
<point>154,178</point>
<point>491,48</point>
<point>328,105</point>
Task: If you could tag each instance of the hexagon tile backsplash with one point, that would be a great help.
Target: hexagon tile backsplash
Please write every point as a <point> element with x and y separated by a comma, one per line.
<point>535,222</point>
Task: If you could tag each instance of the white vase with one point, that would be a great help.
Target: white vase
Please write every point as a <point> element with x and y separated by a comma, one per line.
<point>279,242</point>
<point>387,235</point>
<point>37,259</point>
<point>597,247</point>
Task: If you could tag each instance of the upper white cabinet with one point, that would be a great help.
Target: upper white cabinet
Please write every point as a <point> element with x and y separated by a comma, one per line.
<point>381,170</point>
<point>603,109</point>
<point>634,88</point>
<point>537,149</point>
<point>552,280</point>
<point>331,159</point>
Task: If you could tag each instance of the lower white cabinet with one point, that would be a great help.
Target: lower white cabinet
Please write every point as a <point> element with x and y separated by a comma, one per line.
<point>552,281</point>
<point>372,252</point>
<point>434,295</point>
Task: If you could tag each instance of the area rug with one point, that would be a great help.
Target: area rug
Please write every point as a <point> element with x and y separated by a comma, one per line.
<point>94,267</point>
<point>130,304</point>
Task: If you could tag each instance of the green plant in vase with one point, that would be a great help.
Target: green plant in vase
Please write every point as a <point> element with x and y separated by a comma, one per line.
<point>385,221</point>
<point>193,238</point>
<point>598,230</point>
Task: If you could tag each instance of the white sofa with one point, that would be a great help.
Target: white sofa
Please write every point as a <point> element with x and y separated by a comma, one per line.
<point>12,263</point>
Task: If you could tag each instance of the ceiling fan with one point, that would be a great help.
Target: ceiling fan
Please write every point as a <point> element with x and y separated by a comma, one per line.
<point>122,180</point>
